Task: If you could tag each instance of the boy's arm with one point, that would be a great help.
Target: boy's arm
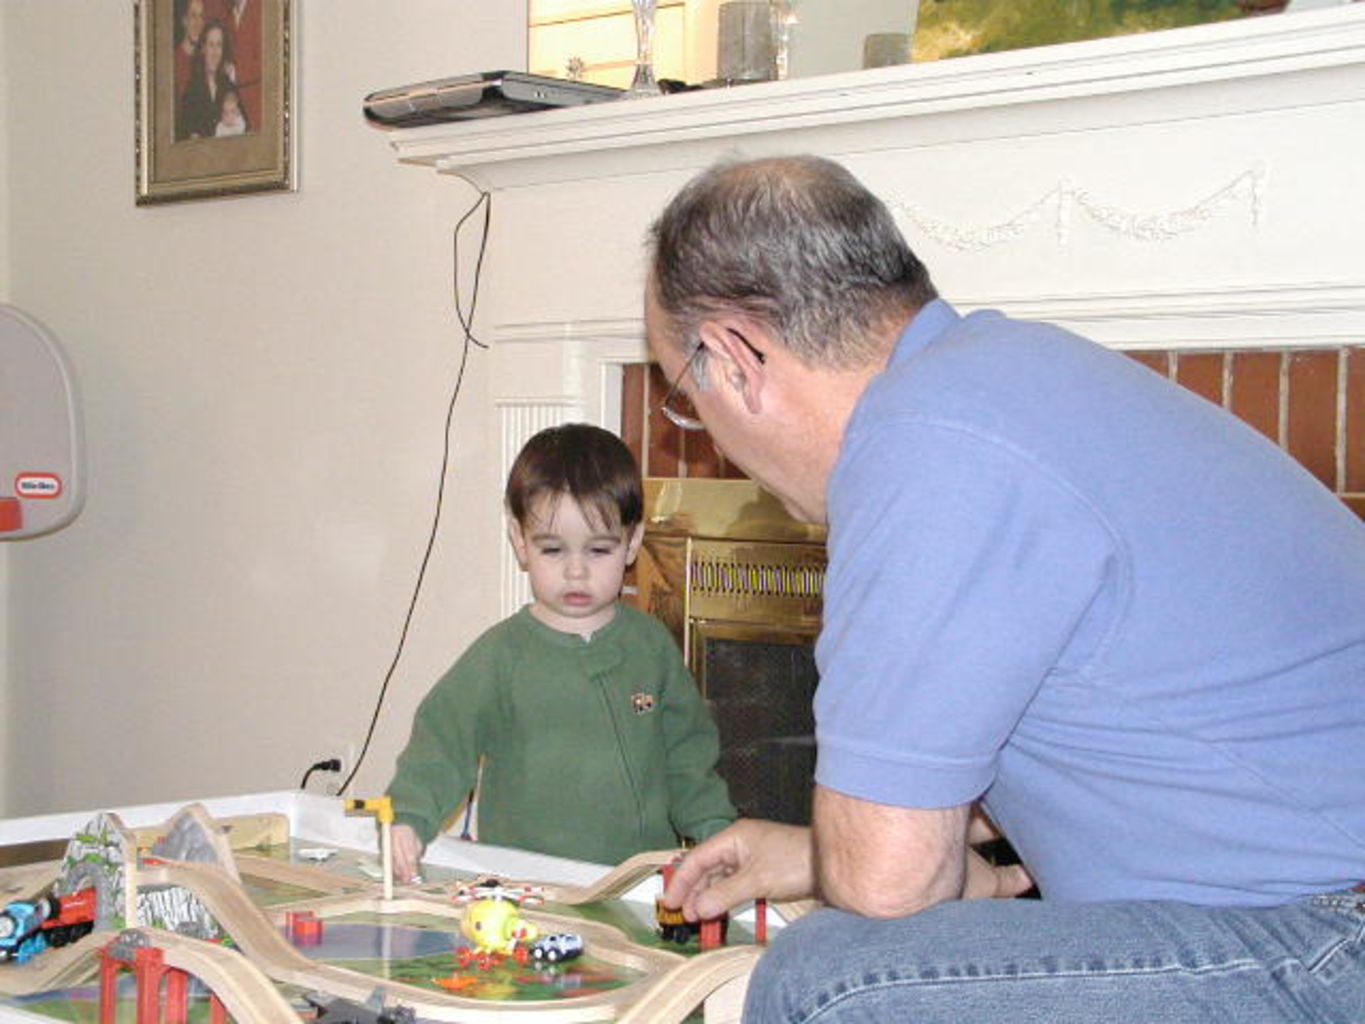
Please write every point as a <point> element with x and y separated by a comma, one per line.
<point>440,762</point>
<point>698,799</point>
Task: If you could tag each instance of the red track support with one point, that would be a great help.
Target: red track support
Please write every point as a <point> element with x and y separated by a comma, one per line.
<point>177,997</point>
<point>151,973</point>
<point>149,968</point>
<point>713,933</point>
<point>110,968</point>
<point>304,927</point>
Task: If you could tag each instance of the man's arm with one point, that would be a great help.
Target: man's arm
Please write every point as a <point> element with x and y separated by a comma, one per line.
<point>862,869</point>
<point>883,861</point>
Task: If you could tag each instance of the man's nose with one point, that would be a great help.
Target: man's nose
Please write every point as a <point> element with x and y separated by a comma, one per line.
<point>576,567</point>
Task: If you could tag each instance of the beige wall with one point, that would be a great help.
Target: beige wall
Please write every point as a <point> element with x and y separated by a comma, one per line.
<point>5,707</point>
<point>265,385</point>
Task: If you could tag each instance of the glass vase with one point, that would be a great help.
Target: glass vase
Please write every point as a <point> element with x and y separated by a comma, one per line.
<point>784,22</point>
<point>644,82</point>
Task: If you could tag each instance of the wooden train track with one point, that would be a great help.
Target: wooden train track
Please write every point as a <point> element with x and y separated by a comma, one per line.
<point>245,979</point>
<point>246,992</point>
<point>262,942</point>
<point>615,883</point>
<point>675,995</point>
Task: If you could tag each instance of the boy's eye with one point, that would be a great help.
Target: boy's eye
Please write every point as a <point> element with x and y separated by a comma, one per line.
<point>549,549</point>
<point>603,550</point>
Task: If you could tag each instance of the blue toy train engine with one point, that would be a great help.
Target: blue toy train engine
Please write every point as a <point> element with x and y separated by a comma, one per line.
<point>27,927</point>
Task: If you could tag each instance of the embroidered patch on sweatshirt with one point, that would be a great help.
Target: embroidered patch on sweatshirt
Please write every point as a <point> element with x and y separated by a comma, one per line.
<point>642,703</point>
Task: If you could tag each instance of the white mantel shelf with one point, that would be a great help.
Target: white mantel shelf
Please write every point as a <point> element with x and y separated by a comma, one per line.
<point>867,111</point>
<point>1192,188</point>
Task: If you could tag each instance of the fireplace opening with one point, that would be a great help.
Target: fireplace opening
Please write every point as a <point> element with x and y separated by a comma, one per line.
<point>739,583</point>
<point>760,692</point>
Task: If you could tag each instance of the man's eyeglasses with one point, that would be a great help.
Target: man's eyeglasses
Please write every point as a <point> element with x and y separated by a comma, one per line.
<point>680,419</point>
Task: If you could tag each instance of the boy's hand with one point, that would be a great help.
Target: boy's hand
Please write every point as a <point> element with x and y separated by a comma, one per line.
<point>407,854</point>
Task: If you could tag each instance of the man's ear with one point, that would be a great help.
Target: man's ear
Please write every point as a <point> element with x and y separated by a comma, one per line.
<point>518,541</point>
<point>637,536</point>
<point>742,367</point>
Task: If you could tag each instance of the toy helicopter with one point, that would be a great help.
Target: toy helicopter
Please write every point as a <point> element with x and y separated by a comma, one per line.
<point>495,928</point>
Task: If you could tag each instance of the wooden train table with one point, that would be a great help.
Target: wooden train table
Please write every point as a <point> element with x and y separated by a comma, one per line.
<point>275,908</point>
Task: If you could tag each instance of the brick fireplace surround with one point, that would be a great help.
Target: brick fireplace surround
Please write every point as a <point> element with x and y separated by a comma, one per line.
<point>1311,402</point>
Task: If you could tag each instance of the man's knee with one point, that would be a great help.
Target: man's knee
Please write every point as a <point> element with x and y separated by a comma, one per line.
<point>798,974</point>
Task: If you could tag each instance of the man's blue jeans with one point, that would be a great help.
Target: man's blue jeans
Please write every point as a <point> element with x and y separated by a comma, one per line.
<point>1040,962</point>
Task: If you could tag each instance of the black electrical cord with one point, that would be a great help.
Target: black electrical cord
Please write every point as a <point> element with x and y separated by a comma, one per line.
<point>485,200</point>
<point>332,764</point>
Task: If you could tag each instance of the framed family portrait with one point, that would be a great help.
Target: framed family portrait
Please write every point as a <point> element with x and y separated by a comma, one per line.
<point>214,83</point>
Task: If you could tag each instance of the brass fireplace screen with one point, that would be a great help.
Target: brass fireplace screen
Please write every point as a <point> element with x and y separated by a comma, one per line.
<point>739,583</point>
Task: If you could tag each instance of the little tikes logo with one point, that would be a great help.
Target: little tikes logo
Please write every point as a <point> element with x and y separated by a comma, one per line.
<point>642,703</point>
<point>38,485</point>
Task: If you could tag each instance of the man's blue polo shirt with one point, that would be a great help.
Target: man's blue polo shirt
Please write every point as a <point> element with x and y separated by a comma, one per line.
<point>1121,615</point>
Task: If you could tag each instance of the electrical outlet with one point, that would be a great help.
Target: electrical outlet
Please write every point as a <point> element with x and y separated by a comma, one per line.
<point>337,765</point>
<point>334,776</point>
<point>347,760</point>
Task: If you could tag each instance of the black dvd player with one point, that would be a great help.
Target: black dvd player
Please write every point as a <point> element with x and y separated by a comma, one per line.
<point>483,94</point>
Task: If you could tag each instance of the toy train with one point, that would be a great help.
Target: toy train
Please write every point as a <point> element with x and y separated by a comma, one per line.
<point>27,927</point>
<point>673,927</point>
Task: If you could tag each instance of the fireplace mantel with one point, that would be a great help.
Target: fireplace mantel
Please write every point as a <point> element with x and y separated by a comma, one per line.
<point>1192,188</point>
<point>864,111</point>
<point>1198,185</point>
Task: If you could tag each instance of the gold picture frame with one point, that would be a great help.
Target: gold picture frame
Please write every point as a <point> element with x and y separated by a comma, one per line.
<point>214,84</point>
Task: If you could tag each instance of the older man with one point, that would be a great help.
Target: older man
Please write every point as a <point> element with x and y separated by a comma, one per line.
<point>1060,586</point>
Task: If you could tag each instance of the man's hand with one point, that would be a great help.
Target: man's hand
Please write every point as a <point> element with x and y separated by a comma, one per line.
<point>751,859</point>
<point>407,854</point>
<point>986,881</point>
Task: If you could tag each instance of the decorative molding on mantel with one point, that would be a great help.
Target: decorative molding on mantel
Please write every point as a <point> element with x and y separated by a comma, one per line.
<point>852,112</point>
<point>1068,199</point>
<point>1291,316</point>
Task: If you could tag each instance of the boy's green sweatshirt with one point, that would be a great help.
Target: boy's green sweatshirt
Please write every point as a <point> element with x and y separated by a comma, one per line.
<point>593,749</point>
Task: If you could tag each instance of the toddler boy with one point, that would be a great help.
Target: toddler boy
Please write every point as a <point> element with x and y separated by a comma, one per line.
<point>594,740</point>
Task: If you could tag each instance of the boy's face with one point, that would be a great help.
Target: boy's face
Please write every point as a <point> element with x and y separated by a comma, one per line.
<point>575,563</point>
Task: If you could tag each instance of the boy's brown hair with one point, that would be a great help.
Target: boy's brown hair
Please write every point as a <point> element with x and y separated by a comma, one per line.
<point>591,465</point>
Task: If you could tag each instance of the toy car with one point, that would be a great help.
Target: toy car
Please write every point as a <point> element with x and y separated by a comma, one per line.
<point>556,947</point>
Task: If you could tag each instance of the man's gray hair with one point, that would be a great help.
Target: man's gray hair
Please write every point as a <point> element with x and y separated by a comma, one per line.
<point>796,242</point>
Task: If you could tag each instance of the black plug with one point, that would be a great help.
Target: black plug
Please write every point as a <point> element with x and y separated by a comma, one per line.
<point>331,764</point>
